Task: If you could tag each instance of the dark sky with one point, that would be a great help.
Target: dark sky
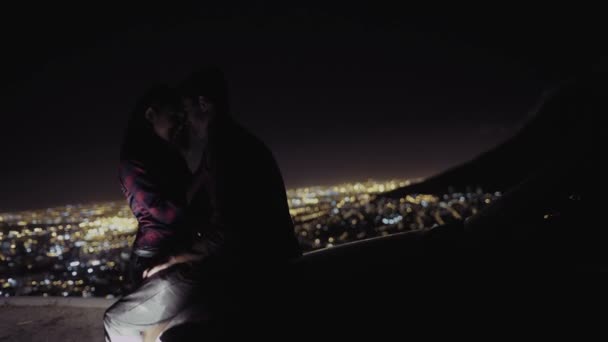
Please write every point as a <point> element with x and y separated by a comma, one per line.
<point>337,93</point>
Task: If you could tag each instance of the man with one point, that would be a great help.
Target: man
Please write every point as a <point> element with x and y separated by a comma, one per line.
<point>237,199</point>
<point>238,207</point>
<point>240,182</point>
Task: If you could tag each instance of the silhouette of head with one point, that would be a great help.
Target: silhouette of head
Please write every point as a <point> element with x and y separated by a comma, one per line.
<point>157,114</point>
<point>162,112</point>
<point>204,96</point>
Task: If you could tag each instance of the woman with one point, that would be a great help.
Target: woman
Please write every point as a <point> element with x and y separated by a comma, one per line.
<point>155,180</point>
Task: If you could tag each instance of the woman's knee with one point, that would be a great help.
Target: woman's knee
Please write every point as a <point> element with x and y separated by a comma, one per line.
<point>111,314</point>
<point>108,316</point>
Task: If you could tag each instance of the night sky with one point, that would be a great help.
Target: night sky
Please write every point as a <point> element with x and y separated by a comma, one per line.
<point>338,94</point>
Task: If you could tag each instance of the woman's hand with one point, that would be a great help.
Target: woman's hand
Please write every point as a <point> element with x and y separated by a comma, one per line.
<point>173,260</point>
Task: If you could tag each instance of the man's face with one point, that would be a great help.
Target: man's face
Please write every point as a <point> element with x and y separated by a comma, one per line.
<point>195,116</point>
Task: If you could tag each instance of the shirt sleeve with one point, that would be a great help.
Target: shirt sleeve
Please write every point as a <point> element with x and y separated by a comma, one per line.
<point>152,205</point>
<point>144,191</point>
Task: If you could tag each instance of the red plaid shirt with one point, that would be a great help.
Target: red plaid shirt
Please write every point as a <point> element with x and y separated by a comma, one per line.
<point>155,189</point>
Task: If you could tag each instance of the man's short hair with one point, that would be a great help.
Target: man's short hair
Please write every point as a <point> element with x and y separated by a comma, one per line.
<point>210,83</point>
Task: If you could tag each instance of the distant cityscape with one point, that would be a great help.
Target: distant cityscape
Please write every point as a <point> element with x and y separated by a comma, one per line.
<point>82,250</point>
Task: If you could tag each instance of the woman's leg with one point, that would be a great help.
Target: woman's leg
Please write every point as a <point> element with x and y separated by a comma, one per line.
<point>157,300</point>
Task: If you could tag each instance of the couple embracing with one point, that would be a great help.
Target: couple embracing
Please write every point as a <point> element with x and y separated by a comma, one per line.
<point>210,203</point>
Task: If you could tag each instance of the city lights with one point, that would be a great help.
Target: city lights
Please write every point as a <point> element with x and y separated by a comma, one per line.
<point>83,249</point>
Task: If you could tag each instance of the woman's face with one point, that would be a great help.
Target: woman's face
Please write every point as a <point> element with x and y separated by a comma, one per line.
<point>167,122</point>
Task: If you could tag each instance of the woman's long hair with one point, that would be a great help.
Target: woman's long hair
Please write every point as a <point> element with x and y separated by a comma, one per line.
<point>140,139</point>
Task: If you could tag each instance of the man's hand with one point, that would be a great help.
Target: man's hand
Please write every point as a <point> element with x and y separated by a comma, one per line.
<point>173,260</point>
<point>198,179</point>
